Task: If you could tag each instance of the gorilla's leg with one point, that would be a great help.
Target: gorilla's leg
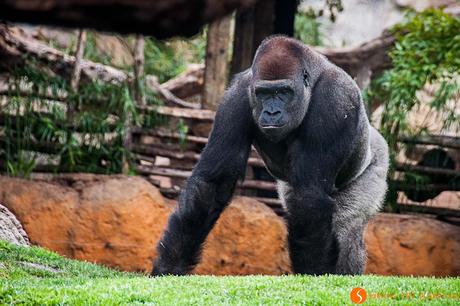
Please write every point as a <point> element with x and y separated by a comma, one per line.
<point>327,237</point>
<point>356,204</point>
<point>312,243</point>
<point>196,213</point>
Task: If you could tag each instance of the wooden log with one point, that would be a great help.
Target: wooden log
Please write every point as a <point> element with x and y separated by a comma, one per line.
<point>437,140</point>
<point>216,62</point>
<point>262,185</point>
<point>403,186</point>
<point>25,89</point>
<point>37,146</point>
<point>161,18</point>
<point>17,47</point>
<point>168,172</point>
<point>140,157</point>
<point>166,95</point>
<point>154,150</point>
<point>427,170</point>
<point>274,202</point>
<point>168,134</point>
<point>438,211</point>
<point>188,83</point>
<point>15,43</point>
<point>196,114</point>
<point>188,138</point>
<point>371,55</point>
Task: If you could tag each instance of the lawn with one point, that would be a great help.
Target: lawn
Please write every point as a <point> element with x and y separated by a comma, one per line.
<point>36,276</point>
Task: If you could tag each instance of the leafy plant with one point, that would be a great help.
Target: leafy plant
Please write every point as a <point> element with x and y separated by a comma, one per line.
<point>427,51</point>
<point>84,131</point>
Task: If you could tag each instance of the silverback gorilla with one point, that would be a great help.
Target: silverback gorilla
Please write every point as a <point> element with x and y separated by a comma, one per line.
<point>306,118</point>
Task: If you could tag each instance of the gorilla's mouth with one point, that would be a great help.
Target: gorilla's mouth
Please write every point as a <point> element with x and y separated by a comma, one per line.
<point>272,126</point>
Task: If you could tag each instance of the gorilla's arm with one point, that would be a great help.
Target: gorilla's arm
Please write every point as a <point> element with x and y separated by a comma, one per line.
<point>211,185</point>
<point>327,138</point>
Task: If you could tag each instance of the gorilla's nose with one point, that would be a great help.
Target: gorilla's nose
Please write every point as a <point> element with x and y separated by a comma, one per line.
<point>271,117</point>
<point>273,113</point>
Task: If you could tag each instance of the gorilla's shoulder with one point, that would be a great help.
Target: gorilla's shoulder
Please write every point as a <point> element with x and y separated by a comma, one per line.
<point>335,83</point>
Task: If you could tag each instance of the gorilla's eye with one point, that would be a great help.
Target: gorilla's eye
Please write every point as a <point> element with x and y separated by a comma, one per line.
<point>306,78</point>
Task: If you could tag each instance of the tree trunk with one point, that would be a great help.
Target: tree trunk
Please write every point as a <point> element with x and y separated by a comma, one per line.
<point>215,75</point>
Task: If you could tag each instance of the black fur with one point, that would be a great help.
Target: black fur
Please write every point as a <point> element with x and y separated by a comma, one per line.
<point>315,142</point>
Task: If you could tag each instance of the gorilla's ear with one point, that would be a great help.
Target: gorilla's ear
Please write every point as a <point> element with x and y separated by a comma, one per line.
<point>306,78</point>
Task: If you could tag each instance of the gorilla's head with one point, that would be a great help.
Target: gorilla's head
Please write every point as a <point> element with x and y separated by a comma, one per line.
<point>280,88</point>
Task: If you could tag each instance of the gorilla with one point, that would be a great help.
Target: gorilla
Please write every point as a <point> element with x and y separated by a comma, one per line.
<point>306,118</point>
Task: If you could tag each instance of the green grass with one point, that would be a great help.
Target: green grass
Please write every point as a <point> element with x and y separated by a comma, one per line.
<point>55,280</point>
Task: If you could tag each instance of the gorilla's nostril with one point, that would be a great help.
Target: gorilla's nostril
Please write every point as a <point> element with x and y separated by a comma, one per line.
<point>273,113</point>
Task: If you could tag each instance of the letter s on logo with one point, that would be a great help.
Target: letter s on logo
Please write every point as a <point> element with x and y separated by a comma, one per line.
<point>358,295</point>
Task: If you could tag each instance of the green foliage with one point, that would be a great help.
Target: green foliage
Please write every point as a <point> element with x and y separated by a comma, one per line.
<point>84,134</point>
<point>33,276</point>
<point>307,28</point>
<point>427,51</point>
<point>182,129</point>
<point>168,59</point>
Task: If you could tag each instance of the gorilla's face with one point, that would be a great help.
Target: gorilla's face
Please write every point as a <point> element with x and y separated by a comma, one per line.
<point>279,106</point>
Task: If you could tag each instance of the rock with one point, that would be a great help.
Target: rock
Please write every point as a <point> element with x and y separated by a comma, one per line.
<point>47,211</point>
<point>412,245</point>
<point>249,238</point>
<point>36,266</point>
<point>118,220</point>
<point>119,223</point>
<point>11,229</point>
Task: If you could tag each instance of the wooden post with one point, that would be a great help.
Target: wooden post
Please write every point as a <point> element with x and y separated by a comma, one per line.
<point>243,46</point>
<point>139,61</point>
<point>139,98</point>
<point>75,78</point>
<point>252,25</point>
<point>284,17</point>
<point>264,22</point>
<point>215,76</point>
